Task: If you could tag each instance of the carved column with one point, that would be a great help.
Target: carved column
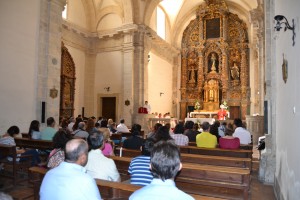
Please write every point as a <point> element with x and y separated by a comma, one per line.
<point>49,63</point>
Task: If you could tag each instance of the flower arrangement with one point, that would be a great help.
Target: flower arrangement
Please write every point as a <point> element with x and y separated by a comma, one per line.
<point>224,105</point>
<point>197,105</point>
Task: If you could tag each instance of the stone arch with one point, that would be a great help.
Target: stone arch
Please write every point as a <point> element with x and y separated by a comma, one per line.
<point>129,14</point>
<point>149,11</point>
<point>90,14</point>
<point>109,10</point>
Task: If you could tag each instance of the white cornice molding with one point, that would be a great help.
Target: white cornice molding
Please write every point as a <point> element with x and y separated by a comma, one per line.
<point>78,30</point>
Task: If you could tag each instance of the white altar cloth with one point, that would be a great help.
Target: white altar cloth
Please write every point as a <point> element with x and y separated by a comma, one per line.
<point>201,120</point>
<point>203,113</point>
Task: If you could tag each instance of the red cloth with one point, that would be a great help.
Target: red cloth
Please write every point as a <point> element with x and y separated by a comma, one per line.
<point>222,114</point>
<point>142,110</point>
<point>226,143</point>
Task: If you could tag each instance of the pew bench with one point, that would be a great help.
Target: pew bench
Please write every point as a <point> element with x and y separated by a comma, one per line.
<point>240,153</point>
<point>12,169</point>
<point>34,144</point>
<point>109,190</point>
<point>201,159</point>
<point>242,146</point>
<point>208,180</point>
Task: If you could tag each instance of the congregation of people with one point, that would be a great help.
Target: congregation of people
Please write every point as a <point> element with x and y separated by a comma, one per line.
<point>82,149</point>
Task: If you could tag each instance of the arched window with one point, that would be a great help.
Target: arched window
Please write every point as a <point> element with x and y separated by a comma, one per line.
<point>65,11</point>
<point>161,23</point>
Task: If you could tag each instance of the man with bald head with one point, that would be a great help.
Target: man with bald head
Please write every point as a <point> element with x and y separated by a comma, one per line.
<point>69,180</point>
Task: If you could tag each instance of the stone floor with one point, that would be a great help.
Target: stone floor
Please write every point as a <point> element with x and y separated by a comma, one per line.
<point>259,191</point>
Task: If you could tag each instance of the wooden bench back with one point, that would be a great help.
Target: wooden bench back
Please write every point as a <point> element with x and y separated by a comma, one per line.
<point>201,159</point>
<point>241,153</point>
<point>108,189</point>
<point>34,144</point>
<point>229,181</point>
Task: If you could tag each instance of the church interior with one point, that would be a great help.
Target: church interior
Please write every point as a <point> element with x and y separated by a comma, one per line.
<point>107,57</point>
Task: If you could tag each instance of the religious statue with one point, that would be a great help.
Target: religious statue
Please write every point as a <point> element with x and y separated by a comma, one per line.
<point>192,76</point>
<point>235,72</point>
<point>213,63</point>
<point>192,65</point>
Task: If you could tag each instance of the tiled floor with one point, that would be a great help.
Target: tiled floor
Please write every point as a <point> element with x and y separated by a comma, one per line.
<point>259,191</point>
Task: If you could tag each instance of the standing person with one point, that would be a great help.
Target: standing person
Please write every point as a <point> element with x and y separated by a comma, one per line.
<point>34,130</point>
<point>69,180</point>
<point>49,131</point>
<point>139,170</point>
<point>98,165</point>
<point>122,128</point>
<point>165,163</point>
<point>206,139</point>
<point>148,107</point>
<point>240,132</point>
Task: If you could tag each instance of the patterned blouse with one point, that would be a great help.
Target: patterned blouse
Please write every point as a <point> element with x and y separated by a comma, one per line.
<point>55,158</point>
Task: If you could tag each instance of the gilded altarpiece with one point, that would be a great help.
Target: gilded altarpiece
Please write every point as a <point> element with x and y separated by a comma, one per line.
<point>67,83</point>
<point>215,60</point>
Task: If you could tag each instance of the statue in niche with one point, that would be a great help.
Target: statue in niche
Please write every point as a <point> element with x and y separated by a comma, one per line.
<point>192,65</point>
<point>235,72</point>
<point>213,63</point>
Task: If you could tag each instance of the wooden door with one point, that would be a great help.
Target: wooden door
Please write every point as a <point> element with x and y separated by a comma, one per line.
<point>234,112</point>
<point>109,107</point>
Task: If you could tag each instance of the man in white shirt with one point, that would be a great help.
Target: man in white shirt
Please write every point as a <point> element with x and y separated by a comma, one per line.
<point>98,165</point>
<point>122,128</point>
<point>240,132</point>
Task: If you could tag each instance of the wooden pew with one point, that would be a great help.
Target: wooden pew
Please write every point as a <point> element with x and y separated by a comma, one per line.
<point>34,144</point>
<point>14,167</point>
<point>202,159</point>
<point>242,146</point>
<point>240,153</point>
<point>209,180</point>
<point>108,190</point>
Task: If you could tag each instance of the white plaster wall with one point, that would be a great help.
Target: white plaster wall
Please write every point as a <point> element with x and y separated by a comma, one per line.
<point>79,60</point>
<point>18,62</point>
<point>109,21</point>
<point>108,73</point>
<point>159,80</point>
<point>76,14</point>
<point>287,100</point>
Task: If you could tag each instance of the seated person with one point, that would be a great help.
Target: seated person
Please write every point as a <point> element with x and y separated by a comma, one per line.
<point>179,138</point>
<point>69,180</point>
<point>8,139</point>
<point>154,130</point>
<point>134,141</point>
<point>57,155</point>
<point>163,133</point>
<point>34,130</point>
<point>49,131</point>
<point>139,166</point>
<point>189,131</point>
<point>108,148</point>
<point>80,132</point>
<point>122,128</point>
<point>228,141</point>
<point>242,133</point>
<point>165,164</point>
<point>206,139</point>
<point>98,165</point>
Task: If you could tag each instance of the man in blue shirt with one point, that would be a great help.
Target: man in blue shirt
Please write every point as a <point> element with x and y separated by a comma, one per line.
<point>165,163</point>
<point>69,180</point>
